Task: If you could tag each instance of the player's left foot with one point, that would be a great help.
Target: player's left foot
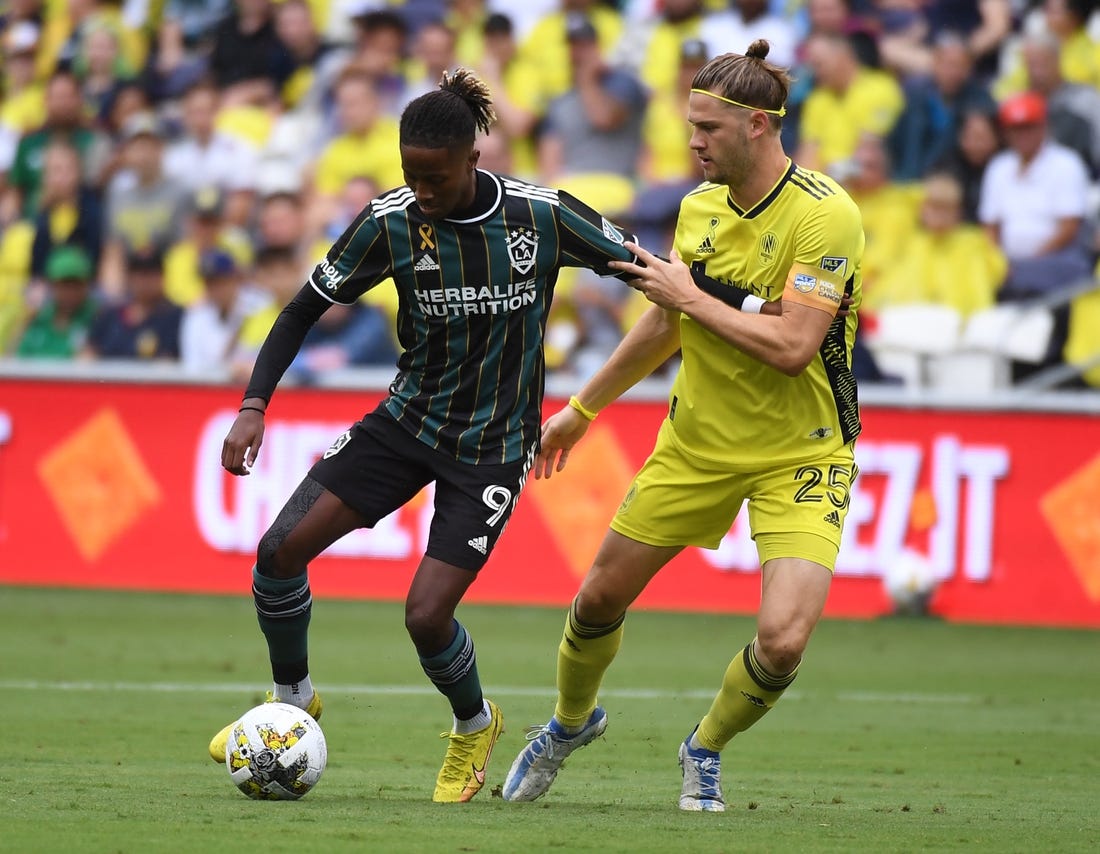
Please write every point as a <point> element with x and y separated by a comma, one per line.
<point>463,771</point>
<point>702,769</point>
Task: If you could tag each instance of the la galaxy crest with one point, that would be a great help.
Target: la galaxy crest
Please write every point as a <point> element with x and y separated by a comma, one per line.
<point>523,244</point>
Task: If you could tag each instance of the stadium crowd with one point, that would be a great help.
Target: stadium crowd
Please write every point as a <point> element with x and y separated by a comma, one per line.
<point>171,170</point>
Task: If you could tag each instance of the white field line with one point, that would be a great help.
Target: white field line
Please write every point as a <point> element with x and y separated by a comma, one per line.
<point>491,690</point>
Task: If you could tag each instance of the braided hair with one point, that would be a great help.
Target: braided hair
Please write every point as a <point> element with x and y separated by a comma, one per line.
<point>451,115</point>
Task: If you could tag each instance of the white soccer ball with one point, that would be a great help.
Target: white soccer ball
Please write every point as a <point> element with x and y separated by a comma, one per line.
<point>276,752</point>
<point>910,580</point>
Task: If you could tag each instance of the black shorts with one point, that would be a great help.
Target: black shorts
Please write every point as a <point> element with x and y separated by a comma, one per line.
<point>377,466</point>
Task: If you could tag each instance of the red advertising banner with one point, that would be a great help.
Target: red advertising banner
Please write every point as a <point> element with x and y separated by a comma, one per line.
<point>118,485</point>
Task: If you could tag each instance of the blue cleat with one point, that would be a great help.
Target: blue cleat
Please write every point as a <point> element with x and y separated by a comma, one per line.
<point>548,747</point>
<point>702,769</point>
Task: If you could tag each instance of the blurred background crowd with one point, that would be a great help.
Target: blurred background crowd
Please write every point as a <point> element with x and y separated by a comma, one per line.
<point>171,170</point>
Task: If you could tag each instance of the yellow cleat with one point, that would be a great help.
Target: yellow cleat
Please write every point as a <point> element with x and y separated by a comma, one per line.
<point>463,771</point>
<point>218,742</point>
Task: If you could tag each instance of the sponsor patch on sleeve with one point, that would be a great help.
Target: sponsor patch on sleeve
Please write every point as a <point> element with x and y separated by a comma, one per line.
<point>812,287</point>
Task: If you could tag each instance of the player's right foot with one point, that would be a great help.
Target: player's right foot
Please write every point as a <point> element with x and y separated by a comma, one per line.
<point>218,742</point>
<point>548,746</point>
<point>702,769</point>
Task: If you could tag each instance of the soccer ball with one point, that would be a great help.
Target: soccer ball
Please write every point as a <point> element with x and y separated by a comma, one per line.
<point>276,752</point>
<point>909,581</point>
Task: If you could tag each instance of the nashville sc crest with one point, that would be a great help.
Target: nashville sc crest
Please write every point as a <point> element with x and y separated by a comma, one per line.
<point>522,244</point>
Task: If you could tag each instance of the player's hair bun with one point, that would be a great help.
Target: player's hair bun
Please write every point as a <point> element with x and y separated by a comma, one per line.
<point>758,49</point>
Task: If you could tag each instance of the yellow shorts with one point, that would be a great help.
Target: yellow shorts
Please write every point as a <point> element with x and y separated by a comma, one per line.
<point>794,510</point>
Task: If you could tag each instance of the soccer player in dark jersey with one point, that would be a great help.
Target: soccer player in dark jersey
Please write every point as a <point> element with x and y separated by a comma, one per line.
<point>474,256</point>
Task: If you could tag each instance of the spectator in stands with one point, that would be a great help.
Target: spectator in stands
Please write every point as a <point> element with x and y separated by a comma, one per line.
<point>1073,109</point>
<point>281,224</point>
<point>64,31</point>
<point>1034,202</point>
<point>976,141</point>
<point>934,104</point>
<point>69,212</point>
<point>662,34</point>
<point>147,215</point>
<point>548,46</point>
<point>1067,21</point>
<point>184,40</point>
<point>433,54</point>
<point>467,19</point>
<point>668,166</point>
<point>515,86</point>
<point>735,28</point>
<point>65,119</point>
<point>946,261</point>
<point>24,107</point>
<point>316,62</point>
<point>60,327</point>
<point>381,46</point>
<point>202,156</point>
<point>206,230</point>
<point>910,32</point>
<point>889,209</point>
<point>848,100</point>
<point>247,49</point>
<point>280,272</point>
<point>100,66</point>
<point>346,336</point>
<point>367,145</point>
<point>210,328</point>
<point>145,325</point>
<point>591,143</point>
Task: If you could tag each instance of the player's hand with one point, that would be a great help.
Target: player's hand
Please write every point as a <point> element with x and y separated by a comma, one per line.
<point>664,283</point>
<point>560,432</point>
<point>242,443</point>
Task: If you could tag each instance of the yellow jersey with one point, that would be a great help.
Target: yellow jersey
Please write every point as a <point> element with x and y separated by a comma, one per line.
<point>835,122</point>
<point>375,155</point>
<point>803,242</point>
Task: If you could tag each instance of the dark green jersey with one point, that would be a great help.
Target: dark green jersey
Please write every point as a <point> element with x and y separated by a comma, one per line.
<point>474,294</point>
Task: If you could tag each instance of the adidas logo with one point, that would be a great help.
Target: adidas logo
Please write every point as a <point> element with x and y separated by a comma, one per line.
<point>706,247</point>
<point>480,543</point>
<point>426,264</point>
<point>833,518</point>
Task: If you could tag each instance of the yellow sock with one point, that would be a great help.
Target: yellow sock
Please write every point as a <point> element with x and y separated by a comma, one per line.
<point>747,692</point>
<point>584,655</point>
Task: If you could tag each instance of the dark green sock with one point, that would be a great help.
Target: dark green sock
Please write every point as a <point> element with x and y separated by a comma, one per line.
<point>283,607</point>
<point>454,672</point>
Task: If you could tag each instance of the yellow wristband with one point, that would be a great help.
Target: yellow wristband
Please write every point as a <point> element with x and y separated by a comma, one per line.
<point>577,405</point>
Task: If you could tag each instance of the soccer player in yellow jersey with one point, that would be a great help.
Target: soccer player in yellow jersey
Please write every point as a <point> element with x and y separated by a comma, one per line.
<point>763,409</point>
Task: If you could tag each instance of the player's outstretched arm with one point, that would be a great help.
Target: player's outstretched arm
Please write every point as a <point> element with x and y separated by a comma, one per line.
<point>648,345</point>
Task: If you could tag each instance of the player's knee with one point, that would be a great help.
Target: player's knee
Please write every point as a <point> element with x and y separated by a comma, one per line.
<point>271,559</point>
<point>429,625</point>
<point>780,647</point>
<point>598,606</point>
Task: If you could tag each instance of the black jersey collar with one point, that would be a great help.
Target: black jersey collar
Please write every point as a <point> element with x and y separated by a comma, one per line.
<point>487,198</point>
<point>760,206</point>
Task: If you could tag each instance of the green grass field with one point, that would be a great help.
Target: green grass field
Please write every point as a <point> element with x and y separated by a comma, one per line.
<point>899,735</point>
